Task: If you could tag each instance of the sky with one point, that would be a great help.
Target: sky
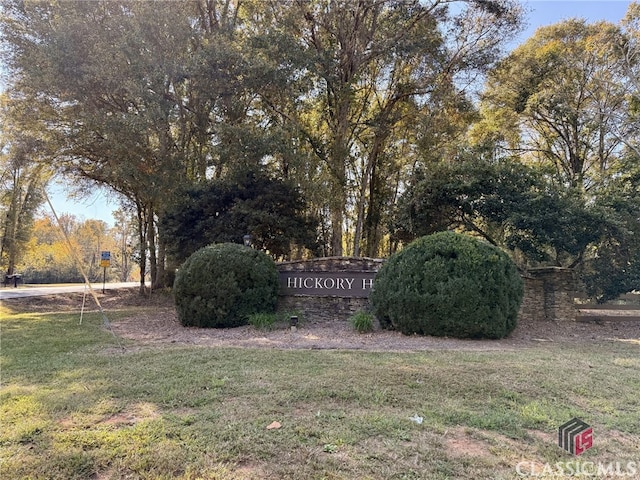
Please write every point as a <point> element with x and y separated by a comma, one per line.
<point>99,205</point>
<point>548,12</point>
<point>540,13</point>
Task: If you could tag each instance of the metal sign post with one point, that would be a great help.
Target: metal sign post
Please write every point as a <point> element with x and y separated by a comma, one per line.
<point>105,261</point>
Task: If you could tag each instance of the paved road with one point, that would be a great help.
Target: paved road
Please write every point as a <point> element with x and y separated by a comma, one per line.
<point>41,290</point>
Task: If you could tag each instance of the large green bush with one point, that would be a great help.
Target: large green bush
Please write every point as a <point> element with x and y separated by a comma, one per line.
<point>449,284</point>
<point>223,284</point>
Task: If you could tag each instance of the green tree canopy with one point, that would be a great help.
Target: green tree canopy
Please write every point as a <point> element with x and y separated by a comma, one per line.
<point>550,101</point>
<point>507,203</point>
<point>23,179</point>
<point>272,211</point>
<point>564,103</point>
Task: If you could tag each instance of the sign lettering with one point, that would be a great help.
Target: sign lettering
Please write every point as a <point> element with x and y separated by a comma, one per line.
<point>339,284</point>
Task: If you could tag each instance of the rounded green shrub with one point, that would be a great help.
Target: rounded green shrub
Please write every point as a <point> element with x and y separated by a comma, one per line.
<point>448,284</point>
<point>222,285</point>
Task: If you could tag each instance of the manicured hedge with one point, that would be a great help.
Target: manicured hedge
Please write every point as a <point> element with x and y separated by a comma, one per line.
<point>449,284</point>
<point>223,284</point>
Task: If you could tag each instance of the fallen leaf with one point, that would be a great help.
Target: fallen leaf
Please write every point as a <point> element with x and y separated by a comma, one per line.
<point>274,425</point>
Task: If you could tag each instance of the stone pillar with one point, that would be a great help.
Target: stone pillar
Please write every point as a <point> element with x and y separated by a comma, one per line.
<point>549,294</point>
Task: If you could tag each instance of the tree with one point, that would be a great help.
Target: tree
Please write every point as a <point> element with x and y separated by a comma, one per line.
<point>557,90</point>
<point>47,258</point>
<point>48,254</point>
<point>471,193</point>
<point>628,119</point>
<point>613,265</point>
<point>509,204</point>
<point>22,183</point>
<point>134,96</point>
<point>570,95</point>
<point>92,237</point>
<point>152,98</point>
<point>372,67</point>
<point>124,234</point>
<point>270,210</point>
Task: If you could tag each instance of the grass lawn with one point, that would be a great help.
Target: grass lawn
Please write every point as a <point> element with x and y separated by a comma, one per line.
<point>73,405</point>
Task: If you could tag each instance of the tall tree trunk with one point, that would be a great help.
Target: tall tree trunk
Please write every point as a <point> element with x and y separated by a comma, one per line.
<point>162,278</point>
<point>339,104</point>
<point>374,214</point>
<point>10,241</point>
<point>24,200</point>
<point>124,254</point>
<point>142,237</point>
<point>337,205</point>
<point>151,241</point>
<point>372,160</point>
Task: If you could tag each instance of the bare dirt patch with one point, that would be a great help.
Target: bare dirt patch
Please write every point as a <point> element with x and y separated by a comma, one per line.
<point>153,321</point>
<point>460,444</point>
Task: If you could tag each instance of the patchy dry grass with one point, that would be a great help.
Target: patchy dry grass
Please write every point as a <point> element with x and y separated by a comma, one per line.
<point>74,405</point>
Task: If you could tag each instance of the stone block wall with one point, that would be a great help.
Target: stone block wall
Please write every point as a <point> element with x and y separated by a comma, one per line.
<point>326,308</point>
<point>549,294</point>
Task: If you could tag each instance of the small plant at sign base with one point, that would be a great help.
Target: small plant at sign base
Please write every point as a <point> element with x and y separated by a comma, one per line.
<point>263,321</point>
<point>362,322</point>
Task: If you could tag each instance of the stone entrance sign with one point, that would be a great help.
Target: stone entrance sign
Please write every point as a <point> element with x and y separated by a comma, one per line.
<point>341,284</point>
<point>337,287</point>
<point>327,288</point>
